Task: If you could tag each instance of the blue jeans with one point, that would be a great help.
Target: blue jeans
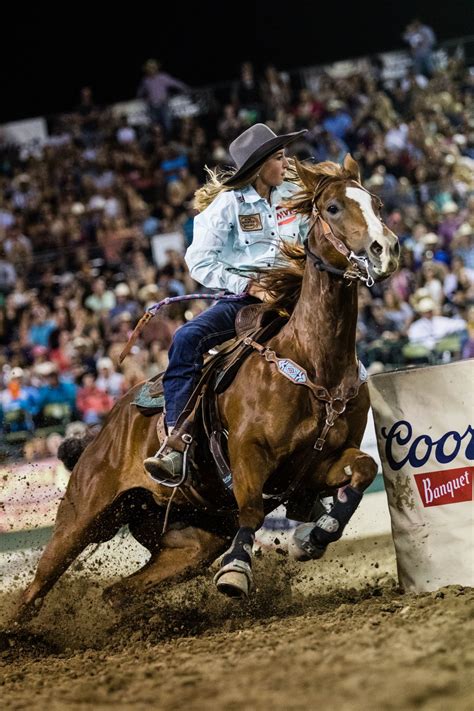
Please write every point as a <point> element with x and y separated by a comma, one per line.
<point>190,342</point>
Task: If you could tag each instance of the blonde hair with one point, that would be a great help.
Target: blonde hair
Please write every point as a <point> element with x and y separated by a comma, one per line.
<point>214,186</point>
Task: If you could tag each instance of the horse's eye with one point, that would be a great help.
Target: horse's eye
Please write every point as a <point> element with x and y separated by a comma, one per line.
<point>332,209</point>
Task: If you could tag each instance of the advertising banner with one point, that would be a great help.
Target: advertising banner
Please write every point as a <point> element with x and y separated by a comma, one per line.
<point>425,435</point>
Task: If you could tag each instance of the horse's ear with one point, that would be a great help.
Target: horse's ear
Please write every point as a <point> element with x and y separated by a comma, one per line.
<point>351,167</point>
<point>306,175</point>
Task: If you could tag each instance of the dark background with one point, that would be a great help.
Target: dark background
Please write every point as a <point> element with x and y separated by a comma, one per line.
<point>53,53</point>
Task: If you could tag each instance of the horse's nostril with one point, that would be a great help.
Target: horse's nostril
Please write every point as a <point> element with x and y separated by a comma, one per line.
<point>396,249</point>
<point>376,248</point>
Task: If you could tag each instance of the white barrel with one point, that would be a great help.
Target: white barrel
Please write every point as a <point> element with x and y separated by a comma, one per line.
<point>425,436</point>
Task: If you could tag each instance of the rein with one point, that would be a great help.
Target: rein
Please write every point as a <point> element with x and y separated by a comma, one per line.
<point>153,310</point>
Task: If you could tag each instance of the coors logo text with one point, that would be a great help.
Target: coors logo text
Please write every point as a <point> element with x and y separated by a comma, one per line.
<point>416,452</point>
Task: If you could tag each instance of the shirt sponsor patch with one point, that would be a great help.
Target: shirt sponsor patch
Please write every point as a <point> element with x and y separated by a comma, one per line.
<point>284,215</point>
<point>251,223</point>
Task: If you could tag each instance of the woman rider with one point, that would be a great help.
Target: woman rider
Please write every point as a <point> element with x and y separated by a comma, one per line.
<point>241,222</point>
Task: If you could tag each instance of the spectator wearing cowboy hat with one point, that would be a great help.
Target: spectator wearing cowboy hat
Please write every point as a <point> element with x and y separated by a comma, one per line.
<point>124,303</point>
<point>108,379</point>
<point>430,327</point>
<point>57,397</point>
<point>239,227</point>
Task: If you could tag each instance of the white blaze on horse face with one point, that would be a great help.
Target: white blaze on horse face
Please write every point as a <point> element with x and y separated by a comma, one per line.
<point>375,227</point>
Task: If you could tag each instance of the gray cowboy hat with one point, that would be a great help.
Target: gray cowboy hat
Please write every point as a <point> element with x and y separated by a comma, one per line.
<point>253,147</point>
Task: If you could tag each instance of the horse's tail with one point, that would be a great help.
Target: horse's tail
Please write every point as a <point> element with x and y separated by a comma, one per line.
<point>71,449</point>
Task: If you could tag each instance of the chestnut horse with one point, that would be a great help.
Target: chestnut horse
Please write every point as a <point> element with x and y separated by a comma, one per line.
<point>296,435</point>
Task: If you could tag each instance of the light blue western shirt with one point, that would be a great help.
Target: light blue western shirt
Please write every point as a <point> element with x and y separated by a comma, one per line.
<point>240,231</point>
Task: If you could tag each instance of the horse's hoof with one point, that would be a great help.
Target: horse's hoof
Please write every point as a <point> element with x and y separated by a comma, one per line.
<point>26,611</point>
<point>233,584</point>
<point>300,546</point>
<point>235,579</point>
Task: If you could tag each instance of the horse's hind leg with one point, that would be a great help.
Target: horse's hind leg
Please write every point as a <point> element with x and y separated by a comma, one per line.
<point>182,553</point>
<point>77,525</point>
<point>352,473</point>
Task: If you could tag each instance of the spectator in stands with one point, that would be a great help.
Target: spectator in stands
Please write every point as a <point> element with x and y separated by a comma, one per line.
<point>41,327</point>
<point>57,398</point>
<point>463,244</point>
<point>381,335</point>
<point>93,403</point>
<point>276,92</point>
<point>89,116</point>
<point>422,40</point>
<point>430,328</point>
<point>125,134</point>
<point>168,282</point>
<point>450,223</point>
<point>102,300</point>
<point>431,278</point>
<point>124,304</point>
<point>173,163</point>
<point>399,311</point>
<point>338,120</point>
<point>308,110</point>
<point>6,213</point>
<point>230,125</point>
<point>60,349</point>
<point>154,89</point>
<point>18,404</point>
<point>18,249</point>
<point>7,273</point>
<point>248,95</point>
<point>108,379</point>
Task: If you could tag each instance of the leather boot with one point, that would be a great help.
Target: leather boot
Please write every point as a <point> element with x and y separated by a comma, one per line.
<point>166,466</point>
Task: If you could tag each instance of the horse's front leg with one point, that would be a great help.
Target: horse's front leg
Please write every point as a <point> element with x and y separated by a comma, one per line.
<point>352,473</point>
<point>250,472</point>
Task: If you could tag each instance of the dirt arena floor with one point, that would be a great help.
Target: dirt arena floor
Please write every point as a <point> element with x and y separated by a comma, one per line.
<point>336,633</point>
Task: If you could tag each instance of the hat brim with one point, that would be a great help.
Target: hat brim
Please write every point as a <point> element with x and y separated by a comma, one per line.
<point>260,156</point>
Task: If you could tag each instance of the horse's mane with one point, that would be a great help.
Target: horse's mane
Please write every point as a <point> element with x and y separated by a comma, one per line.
<point>314,178</point>
<point>283,283</point>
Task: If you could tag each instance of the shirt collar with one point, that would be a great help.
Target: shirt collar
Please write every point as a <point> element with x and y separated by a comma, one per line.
<point>249,194</point>
<point>280,192</point>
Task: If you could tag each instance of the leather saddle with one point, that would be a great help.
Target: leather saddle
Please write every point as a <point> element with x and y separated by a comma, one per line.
<point>253,320</point>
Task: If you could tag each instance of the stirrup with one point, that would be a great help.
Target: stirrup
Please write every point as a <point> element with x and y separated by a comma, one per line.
<point>163,479</point>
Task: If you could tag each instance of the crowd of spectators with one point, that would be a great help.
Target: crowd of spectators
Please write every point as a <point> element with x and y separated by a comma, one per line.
<point>81,218</point>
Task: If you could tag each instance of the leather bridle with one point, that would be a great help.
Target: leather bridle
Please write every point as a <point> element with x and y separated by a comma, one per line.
<point>358,268</point>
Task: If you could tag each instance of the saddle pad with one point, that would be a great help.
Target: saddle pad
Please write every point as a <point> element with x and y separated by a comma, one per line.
<point>145,401</point>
